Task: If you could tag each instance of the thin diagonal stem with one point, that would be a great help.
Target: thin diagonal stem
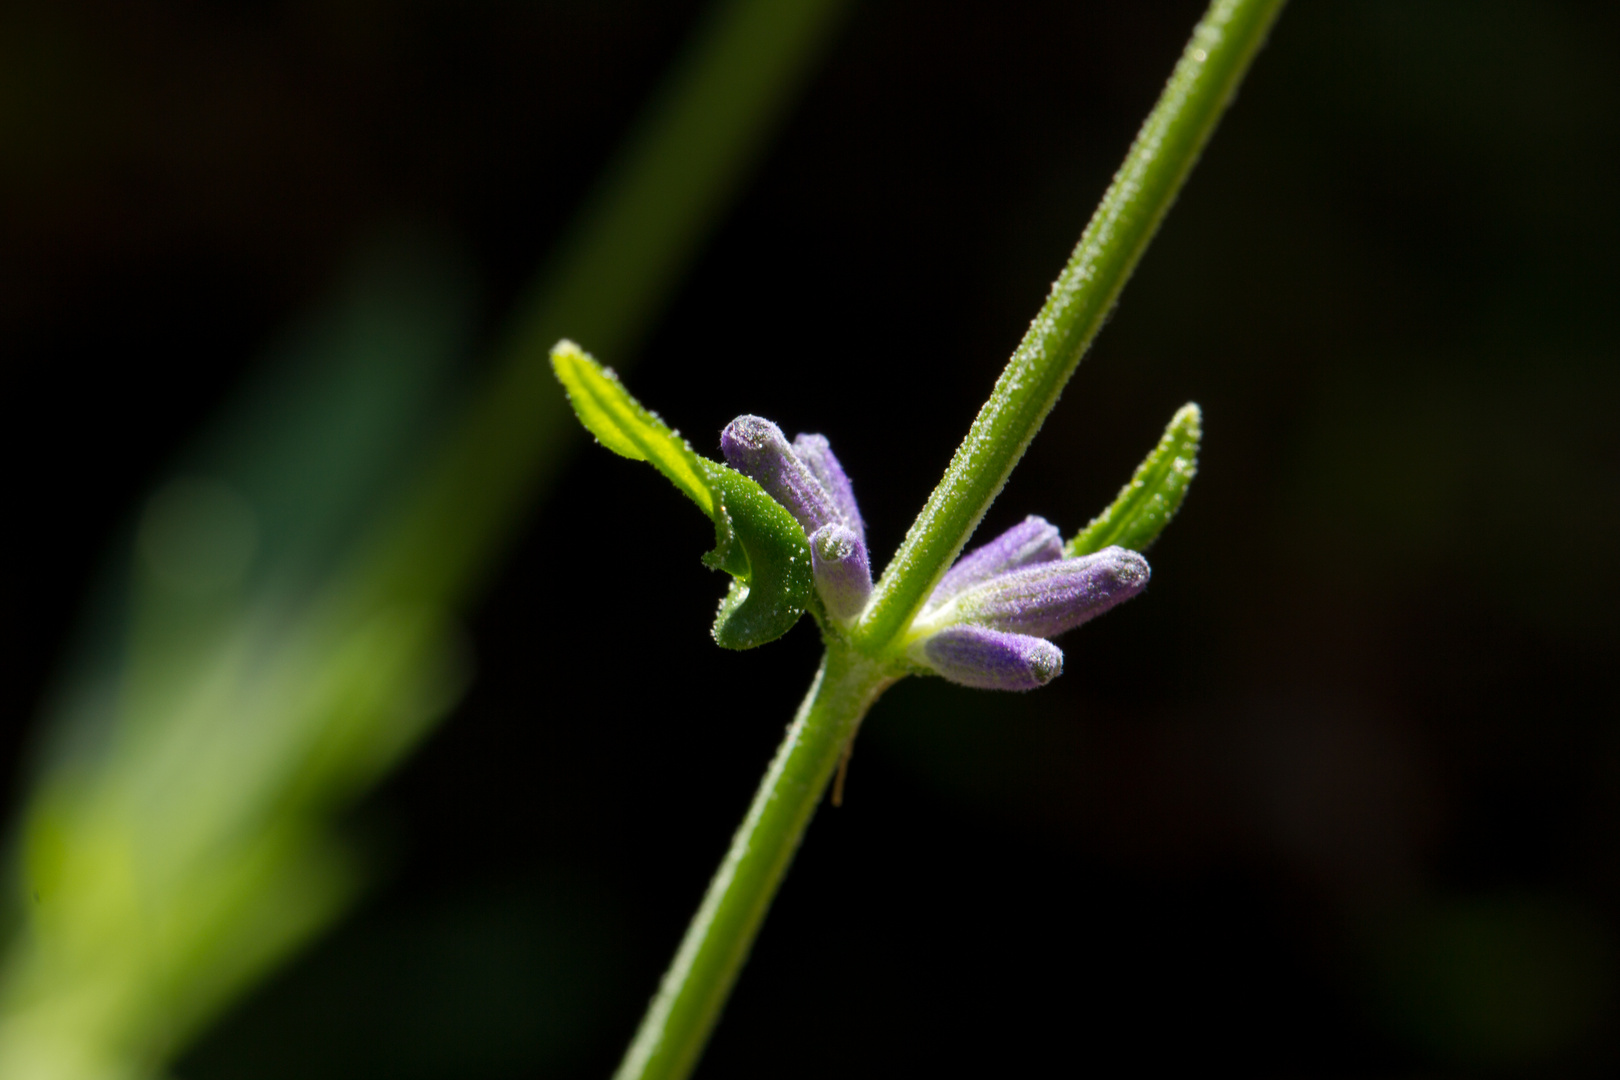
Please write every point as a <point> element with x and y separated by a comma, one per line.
<point>677,1024</point>
<point>1165,151</point>
<point>699,979</point>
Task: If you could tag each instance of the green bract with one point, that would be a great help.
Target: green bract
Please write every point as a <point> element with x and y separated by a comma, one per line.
<point>756,540</point>
<point>1145,505</point>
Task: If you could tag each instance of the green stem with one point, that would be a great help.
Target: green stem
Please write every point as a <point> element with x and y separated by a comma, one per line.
<point>698,981</point>
<point>1164,152</point>
<point>695,987</point>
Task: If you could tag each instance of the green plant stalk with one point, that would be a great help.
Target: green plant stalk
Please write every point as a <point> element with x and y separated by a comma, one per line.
<point>699,979</point>
<point>854,673</point>
<point>1208,74</point>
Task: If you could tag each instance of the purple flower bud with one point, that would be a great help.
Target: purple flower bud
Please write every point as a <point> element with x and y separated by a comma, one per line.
<point>1052,597</point>
<point>757,448</point>
<point>817,455</point>
<point>990,659</point>
<point>1033,540</point>
<point>843,576</point>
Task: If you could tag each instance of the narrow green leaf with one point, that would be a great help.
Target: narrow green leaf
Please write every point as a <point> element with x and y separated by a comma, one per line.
<point>756,540</point>
<point>620,423</point>
<point>1146,504</point>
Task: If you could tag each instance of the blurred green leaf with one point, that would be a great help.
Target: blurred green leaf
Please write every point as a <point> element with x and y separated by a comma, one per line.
<point>287,628</point>
<point>176,844</point>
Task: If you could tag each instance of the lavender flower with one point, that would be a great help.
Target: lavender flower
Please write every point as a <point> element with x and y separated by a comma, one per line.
<point>806,478</point>
<point>757,448</point>
<point>1056,596</point>
<point>991,659</point>
<point>1034,540</point>
<point>986,623</point>
<point>843,575</point>
<point>817,456</point>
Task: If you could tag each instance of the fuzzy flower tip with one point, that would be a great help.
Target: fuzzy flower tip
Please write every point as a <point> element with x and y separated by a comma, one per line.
<point>991,659</point>
<point>843,574</point>
<point>986,623</point>
<point>807,479</point>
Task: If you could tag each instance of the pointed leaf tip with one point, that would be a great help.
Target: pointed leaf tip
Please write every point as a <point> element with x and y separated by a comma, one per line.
<point>1155,492</point>
<point>756,540</point>
<point>623,425</point>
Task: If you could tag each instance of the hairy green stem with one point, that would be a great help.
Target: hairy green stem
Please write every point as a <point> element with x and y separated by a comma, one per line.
<point>677,1024</point>
<point>695,987</point>
<point>1163,154</point>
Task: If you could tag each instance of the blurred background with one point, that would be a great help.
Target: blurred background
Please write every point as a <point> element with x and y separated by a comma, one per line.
<point>1339,796</point>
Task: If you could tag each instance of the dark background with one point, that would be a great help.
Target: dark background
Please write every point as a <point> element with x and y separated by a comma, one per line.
<point>1338,796</point>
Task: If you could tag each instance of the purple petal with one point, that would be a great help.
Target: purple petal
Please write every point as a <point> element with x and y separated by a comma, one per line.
<point>990,659</point>
<point>757,448</point>
<point>816,453</point>
<point>1033,540</point>
<point>843,576</point>
<point>1056,596</point>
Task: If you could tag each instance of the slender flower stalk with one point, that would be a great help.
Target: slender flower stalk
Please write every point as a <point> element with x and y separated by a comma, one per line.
<point>699,979</point>
<point>983,623</point>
